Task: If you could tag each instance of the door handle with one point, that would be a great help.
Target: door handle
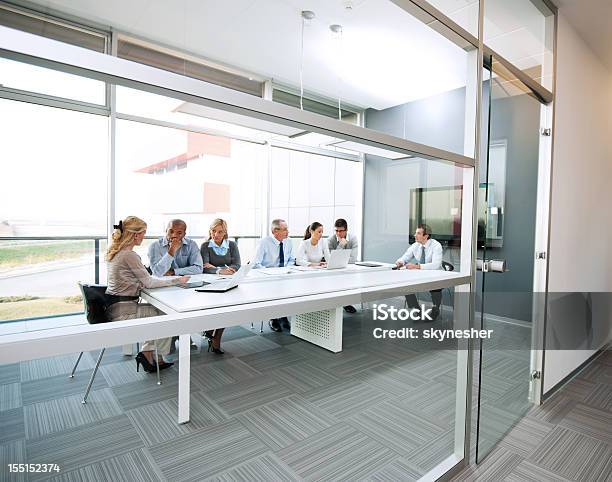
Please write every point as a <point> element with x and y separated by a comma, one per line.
<point>491,265</point>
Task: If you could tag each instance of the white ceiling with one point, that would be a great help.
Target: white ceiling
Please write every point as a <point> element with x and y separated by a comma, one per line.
<point>592,19</point>
<point>385,58</point>
<point>515,29</point>
<point>382,62</point>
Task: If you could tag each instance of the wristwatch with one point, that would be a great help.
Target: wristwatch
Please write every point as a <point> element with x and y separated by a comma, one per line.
<point>218,271</point>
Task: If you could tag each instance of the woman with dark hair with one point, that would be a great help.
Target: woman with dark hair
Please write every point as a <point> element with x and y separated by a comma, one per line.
<point>126,277</point>
<point>312,249</point>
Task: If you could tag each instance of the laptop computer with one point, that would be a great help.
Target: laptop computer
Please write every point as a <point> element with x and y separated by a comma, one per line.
<point>338,259</point>
<point>226,285</point>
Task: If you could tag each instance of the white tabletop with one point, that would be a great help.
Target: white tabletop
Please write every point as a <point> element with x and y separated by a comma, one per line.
<point>190,312</point>
<point>260,287</point>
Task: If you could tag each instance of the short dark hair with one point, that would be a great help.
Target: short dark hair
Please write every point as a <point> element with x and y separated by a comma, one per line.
<point>341,223</point>
<point>425,229</point>
<point>172,222</point>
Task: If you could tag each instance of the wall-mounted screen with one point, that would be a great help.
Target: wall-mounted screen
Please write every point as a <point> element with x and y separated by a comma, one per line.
<point>440,208</point>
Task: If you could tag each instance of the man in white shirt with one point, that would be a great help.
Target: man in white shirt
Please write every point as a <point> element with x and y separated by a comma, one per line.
<point>428,254</point>
<point>275,250</point>
<point>342,240</point>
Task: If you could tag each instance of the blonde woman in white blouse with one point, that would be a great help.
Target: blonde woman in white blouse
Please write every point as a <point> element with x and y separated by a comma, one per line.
<point>312,248</point>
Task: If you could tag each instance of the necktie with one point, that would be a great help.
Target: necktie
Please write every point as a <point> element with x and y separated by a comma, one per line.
<point>422,260</point>
<point>281,255</point>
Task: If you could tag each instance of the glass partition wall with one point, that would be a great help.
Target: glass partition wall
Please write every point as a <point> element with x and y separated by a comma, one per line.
<point>511,181</point>
<point>319,119</point>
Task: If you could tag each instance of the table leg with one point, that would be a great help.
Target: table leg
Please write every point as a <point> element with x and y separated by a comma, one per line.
<point>323,328</point>
<point>184,377</point>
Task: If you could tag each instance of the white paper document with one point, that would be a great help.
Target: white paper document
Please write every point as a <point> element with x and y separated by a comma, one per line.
<point>275,271</point>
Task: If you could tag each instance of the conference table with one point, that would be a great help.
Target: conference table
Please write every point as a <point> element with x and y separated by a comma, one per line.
<point>312,297</point>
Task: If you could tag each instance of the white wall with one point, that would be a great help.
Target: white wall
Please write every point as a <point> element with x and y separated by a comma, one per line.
<point>581,231</point>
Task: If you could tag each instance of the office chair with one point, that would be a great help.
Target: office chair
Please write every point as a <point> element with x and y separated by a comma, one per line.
<point>96,303</point>
<point>446,266</point>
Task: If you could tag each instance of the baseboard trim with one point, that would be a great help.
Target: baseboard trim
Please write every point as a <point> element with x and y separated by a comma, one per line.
<point>575,372</point>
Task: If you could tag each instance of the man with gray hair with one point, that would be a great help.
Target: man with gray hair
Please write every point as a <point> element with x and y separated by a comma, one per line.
<point>275,251</point>
<point>174,254</point>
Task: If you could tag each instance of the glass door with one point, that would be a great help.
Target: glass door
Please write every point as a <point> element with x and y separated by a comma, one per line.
<point>507,206</point>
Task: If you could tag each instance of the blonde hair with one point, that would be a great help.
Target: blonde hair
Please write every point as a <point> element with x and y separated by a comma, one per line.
<point>123,235</point>
<point>214,224</point>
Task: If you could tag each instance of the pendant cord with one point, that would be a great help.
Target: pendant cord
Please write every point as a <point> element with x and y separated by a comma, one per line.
<point>302,67</point>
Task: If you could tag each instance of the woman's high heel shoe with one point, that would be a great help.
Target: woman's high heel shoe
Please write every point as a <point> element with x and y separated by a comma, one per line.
<point>217,351</point>
<point>146,365</point>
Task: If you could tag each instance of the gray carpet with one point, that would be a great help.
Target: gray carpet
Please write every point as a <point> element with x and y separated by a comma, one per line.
<point>277,408</point>
<point>569,437</point>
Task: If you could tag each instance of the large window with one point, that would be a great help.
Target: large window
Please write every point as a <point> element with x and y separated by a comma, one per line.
<point>185,64</point>
<point>56,160</point>
<point>17,77</point>
<point>54,167</point>
<point>180,159</point>
<point>54,28</point>
<point>164,173</point>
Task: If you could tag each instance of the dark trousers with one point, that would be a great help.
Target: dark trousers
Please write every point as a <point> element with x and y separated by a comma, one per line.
<point>436,297</point>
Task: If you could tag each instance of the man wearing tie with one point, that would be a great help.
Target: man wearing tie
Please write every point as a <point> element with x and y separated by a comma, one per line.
<point>275,251</point>
<point>428,252</point>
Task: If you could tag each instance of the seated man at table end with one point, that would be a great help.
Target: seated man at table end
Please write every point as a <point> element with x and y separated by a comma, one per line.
<point>428,252</point>
<point>342,240</point>
<point>275,251</point>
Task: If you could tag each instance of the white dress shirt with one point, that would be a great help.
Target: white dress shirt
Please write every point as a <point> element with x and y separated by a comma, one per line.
<point>307,253</point>
<point>267,255</point>
<point>433,254</point>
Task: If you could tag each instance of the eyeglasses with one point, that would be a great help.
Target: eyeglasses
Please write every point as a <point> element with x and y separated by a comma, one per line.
<point>340,230</point>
